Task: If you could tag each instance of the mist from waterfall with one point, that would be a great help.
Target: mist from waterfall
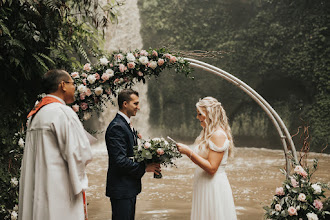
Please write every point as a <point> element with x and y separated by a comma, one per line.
<point>125,36</point>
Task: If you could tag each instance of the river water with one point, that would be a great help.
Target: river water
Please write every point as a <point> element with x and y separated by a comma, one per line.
<point>253,174</point>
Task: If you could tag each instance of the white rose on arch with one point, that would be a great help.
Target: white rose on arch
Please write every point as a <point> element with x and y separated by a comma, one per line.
<point>130,57</point>
<point>110,72</point>
<point>91,79</point>
<point>104,61</point>
<point>98,91</point>
<point>82,88</point>
<point>152,65</point>
<point>143,60</point>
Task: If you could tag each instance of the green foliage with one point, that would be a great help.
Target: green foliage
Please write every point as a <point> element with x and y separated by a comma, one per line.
<point>36,36</point>
<point>279,48</point>
<point>299,197</point>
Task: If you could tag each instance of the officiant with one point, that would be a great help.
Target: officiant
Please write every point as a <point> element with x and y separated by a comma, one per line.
<point>56,153</point>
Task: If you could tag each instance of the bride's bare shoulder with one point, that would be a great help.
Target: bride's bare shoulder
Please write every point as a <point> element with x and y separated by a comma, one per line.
<point>218,137</point>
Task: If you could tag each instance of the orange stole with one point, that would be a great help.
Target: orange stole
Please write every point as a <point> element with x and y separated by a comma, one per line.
<point>85,205</point>
<point>44,101</point>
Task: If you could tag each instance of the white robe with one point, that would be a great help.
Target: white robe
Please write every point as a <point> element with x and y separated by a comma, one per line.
<point>53,175</point>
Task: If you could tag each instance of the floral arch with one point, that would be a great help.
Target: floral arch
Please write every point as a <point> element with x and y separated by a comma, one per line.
<point>99,83</point>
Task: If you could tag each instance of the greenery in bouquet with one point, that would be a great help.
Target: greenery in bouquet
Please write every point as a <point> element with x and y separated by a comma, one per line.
<point>299,198</point>
<point>156,150</point>
<point>97,83</point>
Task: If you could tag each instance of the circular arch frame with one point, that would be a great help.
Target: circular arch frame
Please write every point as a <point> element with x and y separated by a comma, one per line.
<point>272,114</point>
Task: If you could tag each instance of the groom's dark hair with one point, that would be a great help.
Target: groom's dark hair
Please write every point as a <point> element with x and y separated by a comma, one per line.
<point>125,95</point>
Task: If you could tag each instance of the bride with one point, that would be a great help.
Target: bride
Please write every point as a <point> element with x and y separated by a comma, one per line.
<point>212,195</point>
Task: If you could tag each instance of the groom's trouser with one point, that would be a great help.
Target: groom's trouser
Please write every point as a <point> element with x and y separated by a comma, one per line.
<point>123,209</point>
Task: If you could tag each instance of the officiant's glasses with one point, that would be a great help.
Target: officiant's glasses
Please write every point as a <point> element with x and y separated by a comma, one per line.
<point>69,82</point>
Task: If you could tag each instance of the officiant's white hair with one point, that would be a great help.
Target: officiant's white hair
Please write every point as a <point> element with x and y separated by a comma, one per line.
<point>215,116</point>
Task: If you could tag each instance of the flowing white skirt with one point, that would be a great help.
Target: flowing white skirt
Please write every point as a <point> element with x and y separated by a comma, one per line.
<point>212,197</point>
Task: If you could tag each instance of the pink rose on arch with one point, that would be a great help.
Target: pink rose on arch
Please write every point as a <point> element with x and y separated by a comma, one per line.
<point>168,56</point>
<point>75,108</point>
<point>292,211</point>
<point>88,92</point>
<point>111,65</point>
<point>154,53</point>
<point>318,204</point>
<point>172,59</point>
<point>87,67</point>
<point>105,76</point>
<point>83,106</point>
<point>97,76</point>
<point>82,96</point>
<point>160,62</point>
<point>140,73</point>
<point>84,82</point>
<point>119,57</point>
<point>84,75</point>
<point>279,191</point>
<point>75,75</point>
<point>122,68</point>
<point>144,53</point>
<point>160,151</point>
<point>131,65</point>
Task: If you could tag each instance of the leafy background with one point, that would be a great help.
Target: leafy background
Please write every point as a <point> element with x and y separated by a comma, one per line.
<point>279,48</point>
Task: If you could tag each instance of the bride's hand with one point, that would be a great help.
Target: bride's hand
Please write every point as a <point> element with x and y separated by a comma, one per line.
<point>184,149</point>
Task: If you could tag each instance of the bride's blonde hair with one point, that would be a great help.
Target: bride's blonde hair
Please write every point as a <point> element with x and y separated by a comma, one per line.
<point>215,117</point>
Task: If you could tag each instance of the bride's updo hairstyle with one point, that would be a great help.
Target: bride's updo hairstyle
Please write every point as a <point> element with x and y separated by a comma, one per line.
<point>215,117</point>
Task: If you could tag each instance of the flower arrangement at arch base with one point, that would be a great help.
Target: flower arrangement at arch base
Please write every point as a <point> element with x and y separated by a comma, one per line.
<point>97,84</point>
<point>156,150</point>
<point>299,198</point>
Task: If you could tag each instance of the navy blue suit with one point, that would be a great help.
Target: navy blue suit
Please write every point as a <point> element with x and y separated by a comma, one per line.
<point>124,175</point>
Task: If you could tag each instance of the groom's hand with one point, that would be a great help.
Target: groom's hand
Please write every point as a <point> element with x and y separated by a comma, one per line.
<point>153,167</point>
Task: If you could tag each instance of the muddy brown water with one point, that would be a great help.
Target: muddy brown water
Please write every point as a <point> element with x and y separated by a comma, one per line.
<point>253,173</point>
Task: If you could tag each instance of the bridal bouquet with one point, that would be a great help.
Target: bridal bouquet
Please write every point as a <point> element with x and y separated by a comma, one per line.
<point>156,150</point>
<point>299,198</point>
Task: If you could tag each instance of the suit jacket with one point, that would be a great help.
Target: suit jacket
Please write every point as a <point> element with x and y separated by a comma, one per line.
<point>124,175</point>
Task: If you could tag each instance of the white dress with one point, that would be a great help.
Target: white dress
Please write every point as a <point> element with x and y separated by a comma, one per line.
<point>212,195</point>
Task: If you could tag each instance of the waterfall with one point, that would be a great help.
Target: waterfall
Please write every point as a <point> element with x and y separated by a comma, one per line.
<point>125,36</point>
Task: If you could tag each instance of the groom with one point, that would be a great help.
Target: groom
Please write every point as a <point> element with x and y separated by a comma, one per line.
<point>124,175</point>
